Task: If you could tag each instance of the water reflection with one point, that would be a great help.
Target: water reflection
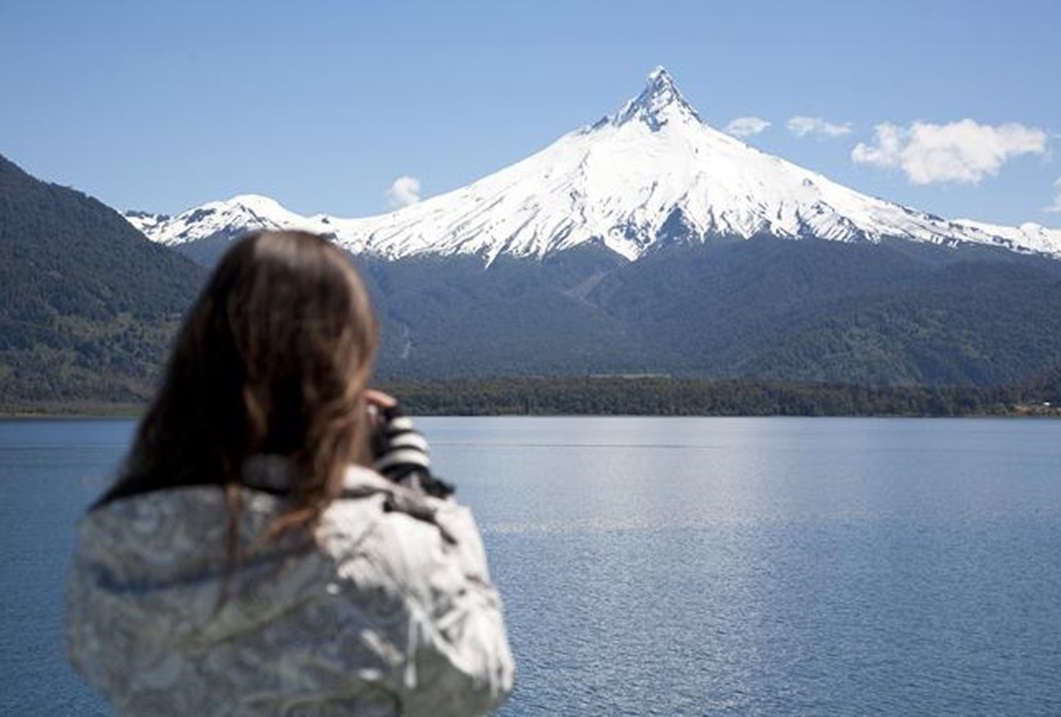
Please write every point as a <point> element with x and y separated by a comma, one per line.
<point>778,566</point>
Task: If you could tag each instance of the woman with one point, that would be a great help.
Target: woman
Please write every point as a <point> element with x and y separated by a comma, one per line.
<point>247,560</point>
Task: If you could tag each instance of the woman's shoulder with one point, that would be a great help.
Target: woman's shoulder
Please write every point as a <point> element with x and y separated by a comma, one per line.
<point>413,537</point>
<point>402,535</point>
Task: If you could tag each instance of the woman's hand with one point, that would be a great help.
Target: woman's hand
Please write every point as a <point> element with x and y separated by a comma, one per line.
<point>379,399</point>
<point>399,452</point>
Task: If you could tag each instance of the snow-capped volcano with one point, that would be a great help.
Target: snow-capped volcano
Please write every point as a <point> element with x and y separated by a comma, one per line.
<point>651,173</point>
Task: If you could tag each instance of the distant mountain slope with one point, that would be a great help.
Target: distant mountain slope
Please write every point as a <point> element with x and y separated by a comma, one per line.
<point>887,314</point>
<point>650,175</point>
<point>87,305</point>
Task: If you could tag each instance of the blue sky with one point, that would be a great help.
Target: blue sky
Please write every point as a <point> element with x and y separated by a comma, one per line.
<point>952,107</point>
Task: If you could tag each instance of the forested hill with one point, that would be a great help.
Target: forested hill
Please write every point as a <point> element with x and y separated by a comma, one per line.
<point>87,304</point>
<point>894,314</point>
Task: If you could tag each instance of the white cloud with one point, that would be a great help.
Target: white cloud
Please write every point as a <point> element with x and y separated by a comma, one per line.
<point>1056,206</point>
<point>957,152</point>
<point>404,191</point>
<point>816,126</point>
<point>746,126</point>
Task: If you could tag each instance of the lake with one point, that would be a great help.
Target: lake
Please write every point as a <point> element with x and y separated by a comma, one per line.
<point>678,566</point>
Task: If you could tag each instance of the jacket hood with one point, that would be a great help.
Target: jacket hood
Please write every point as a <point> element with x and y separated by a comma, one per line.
<point>163,557</point>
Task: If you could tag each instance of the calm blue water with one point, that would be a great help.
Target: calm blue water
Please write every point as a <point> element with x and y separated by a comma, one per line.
<point>680,566</point>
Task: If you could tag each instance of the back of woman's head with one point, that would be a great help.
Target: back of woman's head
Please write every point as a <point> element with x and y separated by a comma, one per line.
<point>273,358</point>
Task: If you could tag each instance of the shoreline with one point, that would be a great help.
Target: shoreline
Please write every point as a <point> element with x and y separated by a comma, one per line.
<point>651,396</point>
<point>1018,412</point>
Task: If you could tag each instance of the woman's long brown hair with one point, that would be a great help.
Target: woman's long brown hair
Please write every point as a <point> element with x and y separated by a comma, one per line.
<point>273,358</point>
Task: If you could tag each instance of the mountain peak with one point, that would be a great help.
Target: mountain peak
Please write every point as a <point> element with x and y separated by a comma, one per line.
<point>660,78</point>
<point>257,203</point>
<point>650,175</point>
<point>658,103</point>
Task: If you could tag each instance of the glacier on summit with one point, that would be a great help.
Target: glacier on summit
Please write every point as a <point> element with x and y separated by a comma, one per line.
<point>650,174</point>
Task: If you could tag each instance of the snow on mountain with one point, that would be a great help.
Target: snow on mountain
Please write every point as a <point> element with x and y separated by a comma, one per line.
<point>1027,237</point>
<point>227,218</point>
<point>146,222</point>
<point>651,173</point>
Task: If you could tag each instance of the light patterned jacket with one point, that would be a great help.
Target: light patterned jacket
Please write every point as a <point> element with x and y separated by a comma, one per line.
<point>388,611</point>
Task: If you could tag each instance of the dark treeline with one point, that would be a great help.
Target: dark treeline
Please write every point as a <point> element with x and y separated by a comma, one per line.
<point>666,396</point>
<point>661,396</point>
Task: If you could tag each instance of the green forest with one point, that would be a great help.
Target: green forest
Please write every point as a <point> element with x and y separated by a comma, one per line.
<point>88,306</point>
